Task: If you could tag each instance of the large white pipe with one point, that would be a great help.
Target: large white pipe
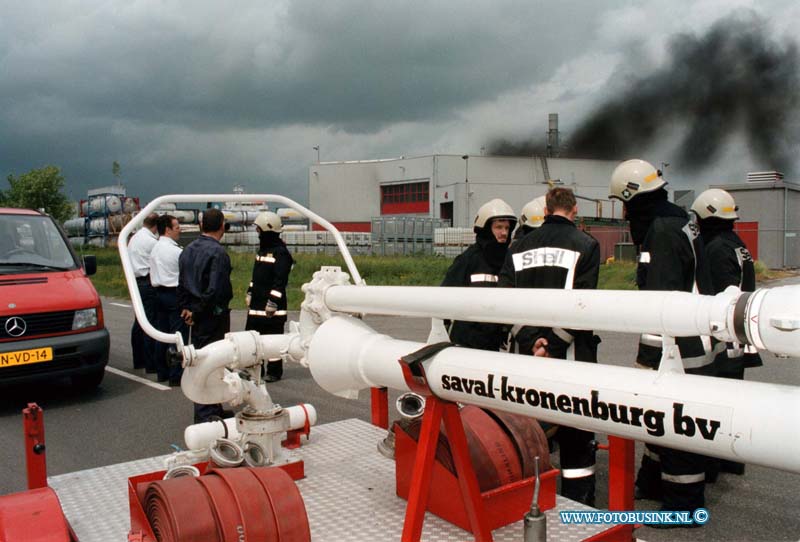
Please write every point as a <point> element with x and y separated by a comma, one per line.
<point>137,221</point>
<point>736,420</point>
<point>768,318</point>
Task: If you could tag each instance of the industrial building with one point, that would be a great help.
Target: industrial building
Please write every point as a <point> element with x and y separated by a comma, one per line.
<point>451,187</point>
<point>769,217</point>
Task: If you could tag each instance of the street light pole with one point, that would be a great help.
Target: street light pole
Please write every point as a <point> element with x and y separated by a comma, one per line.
<point>466,185</point>
<point>316,148</point>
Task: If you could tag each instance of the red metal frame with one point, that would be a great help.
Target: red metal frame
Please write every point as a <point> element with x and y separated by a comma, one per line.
<point>35,460</point>
<point>621,468</point>
<point>379,401</point>
<point>418,471</point>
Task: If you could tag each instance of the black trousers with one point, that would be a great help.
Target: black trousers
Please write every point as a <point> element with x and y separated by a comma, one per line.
<point>206,330</point>
<point>675,477</point>
<point>142,346</point>
<point>169,321</point>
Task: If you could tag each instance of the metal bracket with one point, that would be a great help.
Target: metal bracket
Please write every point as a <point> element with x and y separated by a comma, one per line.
<point>671,361</point>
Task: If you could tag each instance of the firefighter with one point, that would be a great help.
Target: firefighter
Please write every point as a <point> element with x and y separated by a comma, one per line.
<point>671,257</point>
<point>478,266</point>
<point>266,295</point>
<point>558,255</point>
<point>731,265</point>
<point>531,217</point>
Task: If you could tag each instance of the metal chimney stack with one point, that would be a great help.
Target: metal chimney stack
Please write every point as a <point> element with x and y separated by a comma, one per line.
<point>552,134</point>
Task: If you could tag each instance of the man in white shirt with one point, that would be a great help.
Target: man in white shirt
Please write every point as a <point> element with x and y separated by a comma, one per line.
<point>164,278</point>
<point>139,248</point>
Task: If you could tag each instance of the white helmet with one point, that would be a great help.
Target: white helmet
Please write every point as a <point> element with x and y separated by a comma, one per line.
<point>269,221</point>
<point>532,214</point>
<point>716,203</point>
<point>634,177</point>
<point>494,210</point>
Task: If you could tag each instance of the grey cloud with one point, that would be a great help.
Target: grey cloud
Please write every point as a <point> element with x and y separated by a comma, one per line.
<point>357,64</point>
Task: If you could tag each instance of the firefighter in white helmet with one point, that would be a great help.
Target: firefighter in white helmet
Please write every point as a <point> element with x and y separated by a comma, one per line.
<point>266,295</point>
<point>671,257</point>
<point>478,266</point>
<point>558,255</point>
<point>531,217</point>
<point>731,265</point>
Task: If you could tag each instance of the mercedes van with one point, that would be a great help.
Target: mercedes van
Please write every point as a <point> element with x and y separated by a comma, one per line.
<point>51,318</point>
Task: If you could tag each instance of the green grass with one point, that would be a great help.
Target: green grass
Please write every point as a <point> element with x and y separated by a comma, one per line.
<point>617,276</point>
<point>376,270</point>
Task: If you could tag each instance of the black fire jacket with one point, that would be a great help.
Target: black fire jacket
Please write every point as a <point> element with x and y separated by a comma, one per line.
<point>555,255</point>
<point>672,257</point>
<point>732,265</point>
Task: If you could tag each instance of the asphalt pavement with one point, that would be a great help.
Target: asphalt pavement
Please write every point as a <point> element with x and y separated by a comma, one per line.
<point>127,419</point>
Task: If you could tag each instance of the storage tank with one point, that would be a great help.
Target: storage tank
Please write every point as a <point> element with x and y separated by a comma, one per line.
<point>75,227</point>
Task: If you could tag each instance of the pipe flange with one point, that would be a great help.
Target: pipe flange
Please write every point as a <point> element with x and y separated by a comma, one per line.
<point>180,471</point>
<point>255,455</point>
<point>225,453</point>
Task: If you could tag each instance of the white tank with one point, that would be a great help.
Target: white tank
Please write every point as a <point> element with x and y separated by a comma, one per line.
<point>129,205</point>
<point>109,204</point>
<point>97,226</point>
<point>239,217</point>
<point>117,222</point>
<point>75,227</point>
<point>295,227</point>
<point>185,216</point>
<point>287,213</point>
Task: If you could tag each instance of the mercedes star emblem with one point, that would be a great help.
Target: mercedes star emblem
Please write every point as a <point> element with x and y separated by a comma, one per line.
<point>15,326</point>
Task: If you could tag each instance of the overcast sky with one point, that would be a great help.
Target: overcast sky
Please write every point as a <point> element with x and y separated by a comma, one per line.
<point>197,96</point>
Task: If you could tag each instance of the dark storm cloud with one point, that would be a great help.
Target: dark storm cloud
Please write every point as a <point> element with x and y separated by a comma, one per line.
<point>354,64</point>
<point>85,83</point>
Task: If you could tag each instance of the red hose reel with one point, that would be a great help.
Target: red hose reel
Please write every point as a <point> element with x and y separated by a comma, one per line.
<point>224,505</point>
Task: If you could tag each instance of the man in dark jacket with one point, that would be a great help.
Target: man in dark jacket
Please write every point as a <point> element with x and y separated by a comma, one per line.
<point>478,266</point>
<point>558,255</point>
<point>731,265</point>
<point>204,291</point>
<point>266,295</point>
<point>671,257</point>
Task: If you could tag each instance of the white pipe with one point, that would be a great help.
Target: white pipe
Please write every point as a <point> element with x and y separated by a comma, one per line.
<point>744,421</point>
<point>204,379</point>
<point>201,435</point>
<point>137,221</point>
<point>676,314</point>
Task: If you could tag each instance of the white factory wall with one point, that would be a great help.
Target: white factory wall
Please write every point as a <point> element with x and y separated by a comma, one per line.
<point>350,191</point>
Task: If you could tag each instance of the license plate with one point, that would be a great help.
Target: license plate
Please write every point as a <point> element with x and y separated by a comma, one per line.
<point>23,357</point>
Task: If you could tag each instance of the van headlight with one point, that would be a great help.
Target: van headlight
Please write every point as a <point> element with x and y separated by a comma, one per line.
<point>84,318</point>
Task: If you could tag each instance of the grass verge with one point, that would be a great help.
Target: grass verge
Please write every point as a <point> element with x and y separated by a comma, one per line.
<point>376,270</point>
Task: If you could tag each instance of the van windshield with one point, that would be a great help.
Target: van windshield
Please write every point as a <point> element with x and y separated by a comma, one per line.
<point>31,241</point>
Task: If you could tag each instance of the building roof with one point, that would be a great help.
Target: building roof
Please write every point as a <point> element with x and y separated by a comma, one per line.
<point>758,185</point>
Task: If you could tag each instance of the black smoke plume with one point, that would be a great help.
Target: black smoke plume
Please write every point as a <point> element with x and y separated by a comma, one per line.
<point>736,77</point>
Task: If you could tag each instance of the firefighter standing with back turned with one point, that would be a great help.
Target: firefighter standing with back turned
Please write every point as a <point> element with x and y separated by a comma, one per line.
<point>266,295</point>
<point>478,266</point>
<point>558,255</point>
<point>731,265</point>
<point>671,258</point>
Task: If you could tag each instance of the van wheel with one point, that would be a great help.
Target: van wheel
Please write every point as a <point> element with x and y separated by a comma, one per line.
<point>88,381</point>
